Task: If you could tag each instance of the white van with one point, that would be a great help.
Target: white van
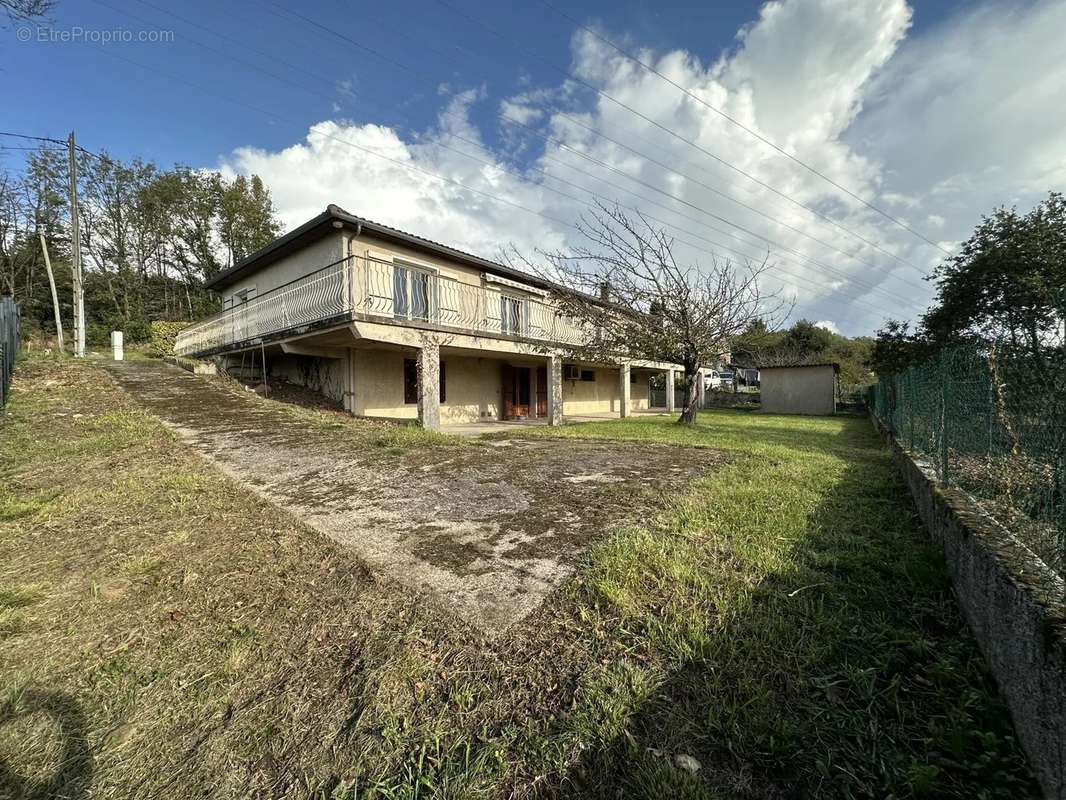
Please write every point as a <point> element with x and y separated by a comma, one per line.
<point>719,379</point>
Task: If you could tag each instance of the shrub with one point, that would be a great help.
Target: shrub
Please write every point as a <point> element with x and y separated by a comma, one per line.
<point>162,335</point>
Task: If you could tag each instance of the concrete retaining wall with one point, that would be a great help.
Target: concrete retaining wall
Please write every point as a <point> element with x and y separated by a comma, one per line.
<point>1014,606</point>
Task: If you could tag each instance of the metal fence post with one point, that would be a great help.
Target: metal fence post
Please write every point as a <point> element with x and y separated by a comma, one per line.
<point>943,419</point>
<point>1062,507</point>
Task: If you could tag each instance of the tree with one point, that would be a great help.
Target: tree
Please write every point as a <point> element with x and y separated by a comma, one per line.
<point>1007,283</point>
<point>247,220</point>
<point>657,309</point>
<point>150,238</point>
<point>896,347</point>
<point>20,10</point>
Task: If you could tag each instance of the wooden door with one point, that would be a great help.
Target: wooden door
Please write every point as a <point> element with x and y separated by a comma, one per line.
<point>542,391</point>
<point>521,391</point>
<point>507,392</point>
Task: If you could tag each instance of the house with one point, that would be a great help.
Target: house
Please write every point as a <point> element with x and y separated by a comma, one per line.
<point>397,326</point>
<point>799,389</point>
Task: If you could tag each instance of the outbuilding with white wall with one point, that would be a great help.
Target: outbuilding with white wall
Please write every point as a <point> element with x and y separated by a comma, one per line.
<point>799,389</point>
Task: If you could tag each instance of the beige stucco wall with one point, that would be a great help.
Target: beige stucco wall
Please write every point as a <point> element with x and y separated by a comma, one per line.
<point>322,253</point>
<point>472,387</point>
<point>640,392</point>
<point>363,246</point>
<point>593,397</point>
<point>798,390</point>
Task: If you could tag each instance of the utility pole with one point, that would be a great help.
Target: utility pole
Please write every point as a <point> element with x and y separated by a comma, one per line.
<point>79,289</point>
<point>55,297</point>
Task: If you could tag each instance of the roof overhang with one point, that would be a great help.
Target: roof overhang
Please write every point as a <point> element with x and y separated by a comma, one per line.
<point>335,218</point>
<point>833,364</point>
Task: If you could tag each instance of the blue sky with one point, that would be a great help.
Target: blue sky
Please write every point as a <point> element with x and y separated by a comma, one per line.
<point>116,106</point>
<point>926,110</point>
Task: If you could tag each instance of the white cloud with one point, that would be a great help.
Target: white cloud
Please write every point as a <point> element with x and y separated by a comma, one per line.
<point>936,127</point>
<point>828,325</point>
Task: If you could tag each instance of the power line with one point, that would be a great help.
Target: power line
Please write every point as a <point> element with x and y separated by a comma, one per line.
<point>600,134</point>
<point>744,127</point>
<point>686,177</point>
<point>407,68</point>
<point>34,138</point>
<point>402,164</point>
<point>62,142</point>
<point>37,149</point>
<point>724,162</point>
<point>844,276</point>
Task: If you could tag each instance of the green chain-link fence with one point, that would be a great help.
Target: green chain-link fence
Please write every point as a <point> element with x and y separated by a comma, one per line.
<point>993,425</point>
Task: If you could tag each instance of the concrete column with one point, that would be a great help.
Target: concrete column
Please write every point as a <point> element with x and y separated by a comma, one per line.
<point>348,365</point>
<point>555,390</point>
<point>429,387</point>
<point>670,391</point>
<point>623,390</point>
<point>116,345</point>
<point>701,390</point>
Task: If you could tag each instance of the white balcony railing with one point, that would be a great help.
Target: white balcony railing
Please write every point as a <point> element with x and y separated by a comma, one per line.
<point>360,287</point>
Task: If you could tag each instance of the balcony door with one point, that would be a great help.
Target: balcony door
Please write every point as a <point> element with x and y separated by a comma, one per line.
<point>413,293</point>
<point>512,315</point>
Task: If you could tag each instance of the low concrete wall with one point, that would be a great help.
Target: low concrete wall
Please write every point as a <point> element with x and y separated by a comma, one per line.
<point>1014,606</point>
<point>193,365</point>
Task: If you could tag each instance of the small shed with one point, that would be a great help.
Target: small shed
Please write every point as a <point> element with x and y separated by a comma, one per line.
<point>799,389</point>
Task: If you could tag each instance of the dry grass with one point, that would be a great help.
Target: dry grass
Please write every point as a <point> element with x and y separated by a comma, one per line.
<point>165,634</point>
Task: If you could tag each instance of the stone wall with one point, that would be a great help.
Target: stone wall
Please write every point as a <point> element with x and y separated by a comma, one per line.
<point>1014,605</point>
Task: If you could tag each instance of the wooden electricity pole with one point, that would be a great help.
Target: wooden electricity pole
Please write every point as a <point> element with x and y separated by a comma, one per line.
<point>55,297</point>
<point>75,247</point>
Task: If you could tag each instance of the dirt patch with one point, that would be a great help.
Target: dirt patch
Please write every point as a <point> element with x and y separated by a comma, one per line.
<point>486,530</point>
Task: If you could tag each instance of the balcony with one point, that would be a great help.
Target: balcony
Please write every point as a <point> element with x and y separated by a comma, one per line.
<point>363,288</point>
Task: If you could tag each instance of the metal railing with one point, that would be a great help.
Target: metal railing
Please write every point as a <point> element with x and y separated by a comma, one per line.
<point>318,296</point>
<point>358,287</point>
<point>410,294</point>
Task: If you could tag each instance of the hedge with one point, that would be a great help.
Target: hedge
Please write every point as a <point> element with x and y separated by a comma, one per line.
<point>162,335</point>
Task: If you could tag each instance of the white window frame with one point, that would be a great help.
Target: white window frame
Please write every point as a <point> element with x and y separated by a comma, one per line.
<point>523,313</point>
<point>432,300</point>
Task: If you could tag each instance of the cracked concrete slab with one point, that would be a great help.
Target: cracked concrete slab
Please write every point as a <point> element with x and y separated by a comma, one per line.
<point>487,529</point>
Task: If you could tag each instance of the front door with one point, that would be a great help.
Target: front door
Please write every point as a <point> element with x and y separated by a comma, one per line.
<point>542,391</point>
<point>515,392</point>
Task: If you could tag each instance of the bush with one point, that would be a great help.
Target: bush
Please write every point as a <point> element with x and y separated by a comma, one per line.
<point>162,335</point>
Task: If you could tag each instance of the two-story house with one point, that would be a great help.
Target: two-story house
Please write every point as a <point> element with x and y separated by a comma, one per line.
<point>396,326</point>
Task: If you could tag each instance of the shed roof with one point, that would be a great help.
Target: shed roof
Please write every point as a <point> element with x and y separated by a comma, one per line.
<point>833,364</point>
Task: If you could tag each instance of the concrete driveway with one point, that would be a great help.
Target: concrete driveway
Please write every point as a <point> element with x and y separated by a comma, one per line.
<point>487,527</point>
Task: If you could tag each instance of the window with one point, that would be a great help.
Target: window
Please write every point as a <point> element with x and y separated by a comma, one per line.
<point>239,297</point>
<point>412,293</point>
<point>410,382</point>
<point>588,375</point>
<point>512,314</point>
<point>632,377</point>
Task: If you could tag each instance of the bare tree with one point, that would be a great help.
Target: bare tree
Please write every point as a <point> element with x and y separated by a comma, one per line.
<point>18,10</point>
<point>657,309</point>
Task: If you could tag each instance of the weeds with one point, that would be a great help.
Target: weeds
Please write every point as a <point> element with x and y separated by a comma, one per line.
<point>779,629</point>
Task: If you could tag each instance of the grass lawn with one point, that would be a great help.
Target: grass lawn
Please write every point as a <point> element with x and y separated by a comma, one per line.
<point>780,629</point>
